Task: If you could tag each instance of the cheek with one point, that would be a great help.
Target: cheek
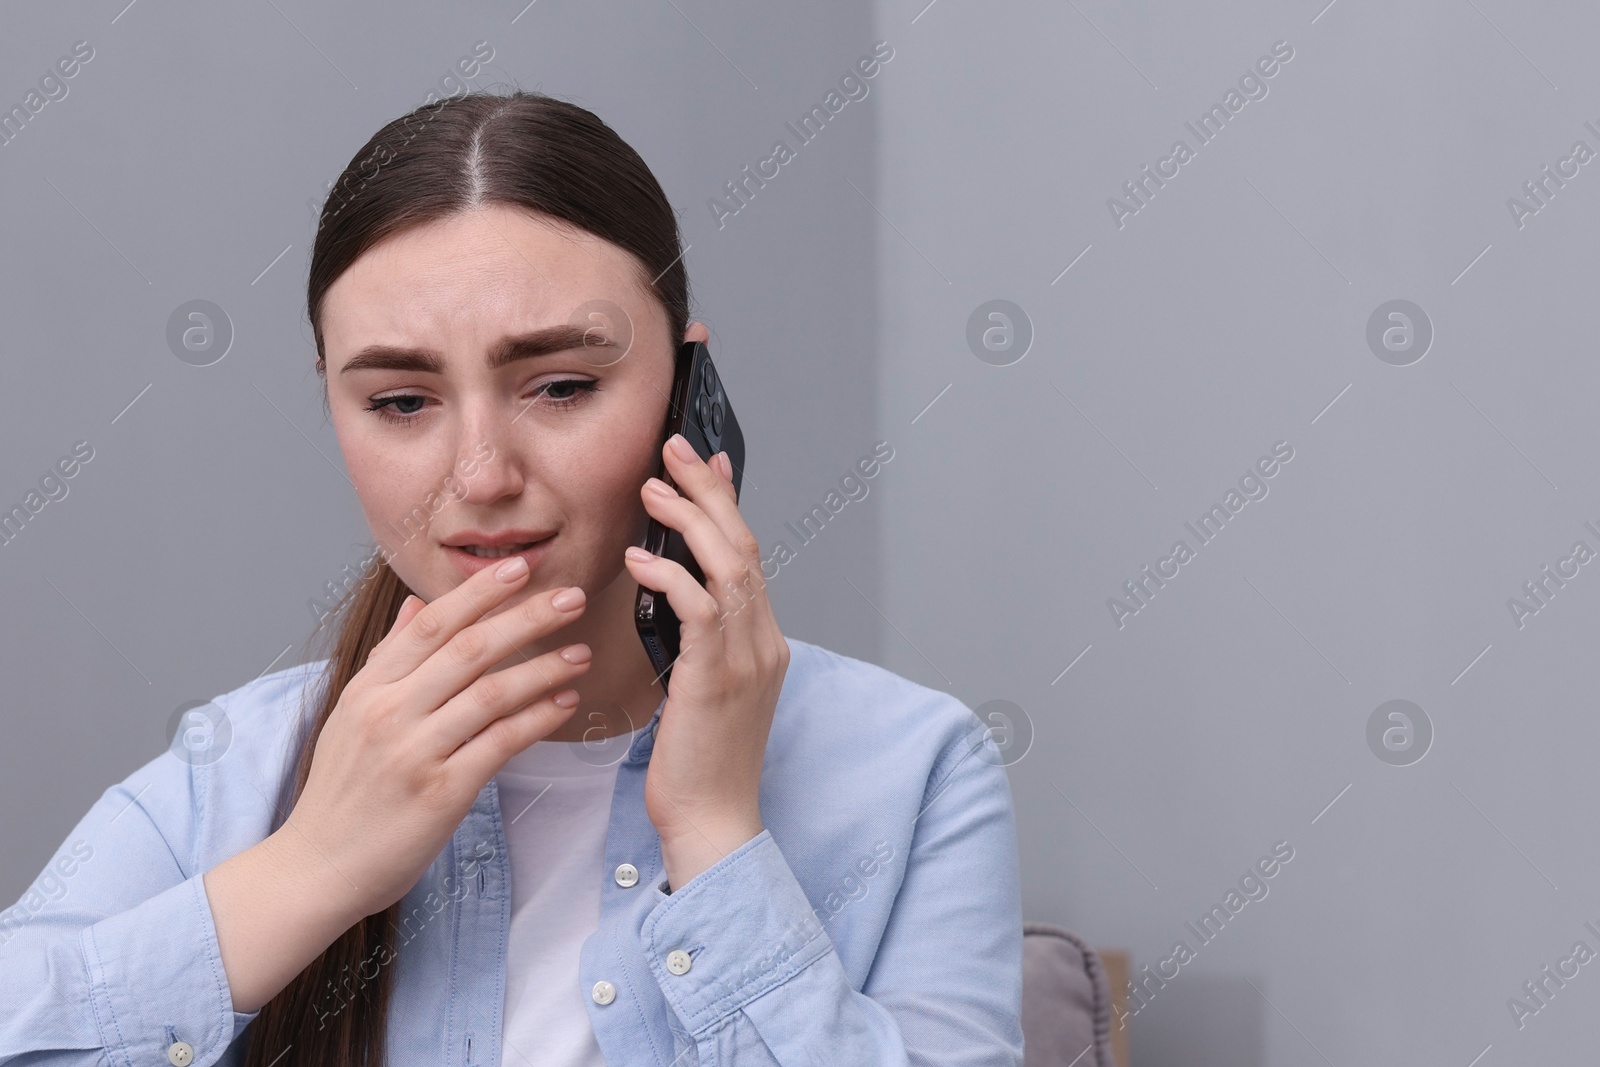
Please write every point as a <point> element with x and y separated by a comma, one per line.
<point>606,477</point>
<point>363,458</point>
<point>392,484</point>
<point>382,479</point>
<point>606,469</point>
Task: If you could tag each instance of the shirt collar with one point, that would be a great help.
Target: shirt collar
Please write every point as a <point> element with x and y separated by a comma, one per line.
<point>645,742</point>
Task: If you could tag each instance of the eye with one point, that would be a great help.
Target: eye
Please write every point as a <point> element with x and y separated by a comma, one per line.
<point>581,387</point>
<point>564,393</point>
<point>381,406</point>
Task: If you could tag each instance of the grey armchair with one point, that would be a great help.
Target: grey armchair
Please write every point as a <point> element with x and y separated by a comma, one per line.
<point>1066,1001</point>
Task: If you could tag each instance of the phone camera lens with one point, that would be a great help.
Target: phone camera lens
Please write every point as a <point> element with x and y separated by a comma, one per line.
<point>716,419</point>
<point>708,381</point>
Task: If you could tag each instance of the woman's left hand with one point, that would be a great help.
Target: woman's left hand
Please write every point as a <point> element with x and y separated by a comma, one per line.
<point>702,790</point>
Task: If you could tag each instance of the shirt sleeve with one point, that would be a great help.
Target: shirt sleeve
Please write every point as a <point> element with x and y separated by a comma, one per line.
<point>764,985</point>
<point>111,957</point>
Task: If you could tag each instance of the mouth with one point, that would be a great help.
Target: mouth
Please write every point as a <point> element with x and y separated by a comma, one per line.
<point>483,552</point>
<point>470,558</point>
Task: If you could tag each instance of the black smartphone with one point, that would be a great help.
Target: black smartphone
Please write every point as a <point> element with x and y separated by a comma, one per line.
<point>698,408</point>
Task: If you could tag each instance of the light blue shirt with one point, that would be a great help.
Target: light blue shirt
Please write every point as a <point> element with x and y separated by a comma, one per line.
<point>874,922</point>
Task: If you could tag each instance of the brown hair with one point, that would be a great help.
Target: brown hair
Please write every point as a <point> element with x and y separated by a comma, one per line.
<point>525,149</point>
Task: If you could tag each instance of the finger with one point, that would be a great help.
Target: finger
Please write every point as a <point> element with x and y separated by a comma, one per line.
<point>501,693</point>
<point>402,618</point>
<point>713,493</point>
<point>732,575</point>
<point>746,626</point>
<point>696,609</point>
<point>437,622</point>
<point>725,466</point>
<point>483,756</point>
<point>722,467</point>
<point>695,479</point>
<point>463,660</point>
<point>408,611</point>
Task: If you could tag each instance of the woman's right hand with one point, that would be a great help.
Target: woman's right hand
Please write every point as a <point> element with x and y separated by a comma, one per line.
<point>420,730</point>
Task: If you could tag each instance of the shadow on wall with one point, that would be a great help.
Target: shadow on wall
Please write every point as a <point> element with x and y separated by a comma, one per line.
<point>1201,1022</point>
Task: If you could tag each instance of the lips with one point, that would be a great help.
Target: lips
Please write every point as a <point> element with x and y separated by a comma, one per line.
<point>498,539</point>
<point>468,563</point>
<point>495,552</point>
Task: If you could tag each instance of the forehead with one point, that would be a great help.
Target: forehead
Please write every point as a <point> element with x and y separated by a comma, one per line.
<point>477,275</point>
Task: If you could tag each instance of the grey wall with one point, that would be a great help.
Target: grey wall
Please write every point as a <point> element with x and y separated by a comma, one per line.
<point>1222,317</point>
<point>1154,758</point>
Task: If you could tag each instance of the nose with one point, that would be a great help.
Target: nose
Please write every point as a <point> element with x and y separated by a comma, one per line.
<point>488,458</point>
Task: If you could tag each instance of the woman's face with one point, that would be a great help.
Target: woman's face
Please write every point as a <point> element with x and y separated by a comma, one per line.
<point>553,444</point>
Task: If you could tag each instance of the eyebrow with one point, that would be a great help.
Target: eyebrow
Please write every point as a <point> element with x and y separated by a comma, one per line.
<point>507,350</point>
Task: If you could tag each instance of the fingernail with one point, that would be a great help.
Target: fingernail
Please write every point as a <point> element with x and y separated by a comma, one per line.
<point>567,698</point>
<point>661,488</point>
<point>681,446</point>
<point>576,653</point>
<point>638,555</point>
<point>569,598</point>
<point>512,569</point>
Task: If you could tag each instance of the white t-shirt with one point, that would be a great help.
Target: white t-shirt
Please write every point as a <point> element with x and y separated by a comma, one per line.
<point>555,801</point>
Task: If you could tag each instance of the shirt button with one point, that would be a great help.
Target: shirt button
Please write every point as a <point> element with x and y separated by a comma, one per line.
<point>604,992</point>
<point>678,961</point>
<point>627,875</point>
<point>180,1054</point>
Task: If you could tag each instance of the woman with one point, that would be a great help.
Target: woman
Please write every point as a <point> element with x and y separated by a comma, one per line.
<point>793,857</point>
